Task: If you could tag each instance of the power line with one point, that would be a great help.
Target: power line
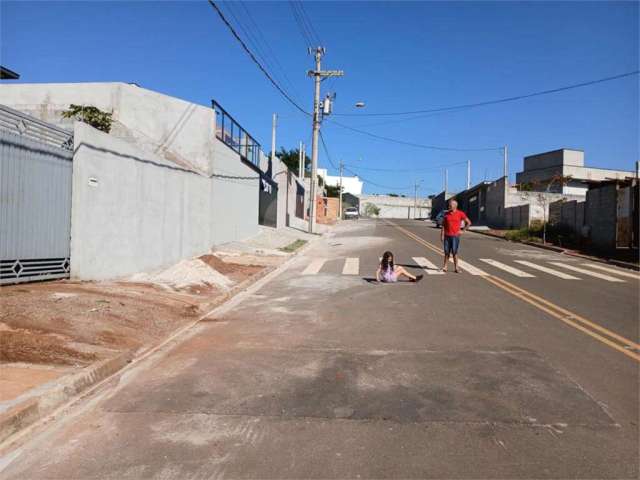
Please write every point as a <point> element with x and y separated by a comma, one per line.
<point>413,144</point>
<point>434,168</point>
<point>326,150</point>
<point>274,57</point>
<point>493,102</point>
<point>305,17</point>
<point>374,183</point>
<point>306,36</point>
<point>255,60</point>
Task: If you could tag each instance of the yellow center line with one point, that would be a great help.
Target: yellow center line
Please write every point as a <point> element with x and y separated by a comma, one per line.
<point>546,306</point>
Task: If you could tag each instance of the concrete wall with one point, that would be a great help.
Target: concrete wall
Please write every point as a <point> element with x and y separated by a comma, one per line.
<point>134,211</point>
<point>554,158</point>
<point>288,188</point>
<point>517,217</point>
<point>600,216</point>
<point>179,131</point>
<point>397,207</point>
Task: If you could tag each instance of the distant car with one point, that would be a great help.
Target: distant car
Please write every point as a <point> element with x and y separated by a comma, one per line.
<point>351,213</point>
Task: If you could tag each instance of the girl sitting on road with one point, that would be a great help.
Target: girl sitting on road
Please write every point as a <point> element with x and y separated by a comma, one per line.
<point>389,273</point>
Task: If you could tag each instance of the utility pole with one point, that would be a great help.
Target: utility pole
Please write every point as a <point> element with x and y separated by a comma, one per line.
<point>274,123</point>
<point>415,198</point>
<point>468,174</point>
<point>446,181</point>
<point>300,162</point>
<point>340,202</point>
<point>506,162</point>
<point>318,75</point>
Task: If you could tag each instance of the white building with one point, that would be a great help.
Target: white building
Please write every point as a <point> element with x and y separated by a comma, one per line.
<point>352,185</point>
<point>541,168</point>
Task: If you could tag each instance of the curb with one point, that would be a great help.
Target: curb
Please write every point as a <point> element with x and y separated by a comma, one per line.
<point>66,390</point>
<point>32,409</point>
<point>571,253</point>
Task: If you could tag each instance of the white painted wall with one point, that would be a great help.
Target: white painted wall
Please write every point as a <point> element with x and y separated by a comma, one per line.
<point>180,131</point>
<point>135,211</point>
<point>352,185</point>
<point>397,207</point>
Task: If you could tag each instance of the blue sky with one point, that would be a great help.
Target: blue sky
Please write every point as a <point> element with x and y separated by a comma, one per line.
<point>397,56</point>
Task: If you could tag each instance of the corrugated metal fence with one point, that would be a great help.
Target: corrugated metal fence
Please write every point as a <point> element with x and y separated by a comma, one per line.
<point>35,198</point>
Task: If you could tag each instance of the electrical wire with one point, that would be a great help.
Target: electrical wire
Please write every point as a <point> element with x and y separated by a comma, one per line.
<point>311,28</point>
<point>254,59</point>
<point>326,151</point>
<point>269,49</point>
<point>413,144</point>
<point>493,102</point>
<point>429,169</point>
<point>306,36</point>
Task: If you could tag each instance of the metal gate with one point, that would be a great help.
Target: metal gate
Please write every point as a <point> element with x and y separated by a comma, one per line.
<point>35,198</point>
<point>268,202</point>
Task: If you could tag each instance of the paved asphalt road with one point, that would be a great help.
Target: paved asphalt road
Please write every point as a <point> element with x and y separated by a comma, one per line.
<point>516,373</point>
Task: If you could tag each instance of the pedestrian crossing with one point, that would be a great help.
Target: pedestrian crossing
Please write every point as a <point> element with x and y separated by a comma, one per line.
<point>512,270</point>
<point>428,266</point>
<point>602,276</point>
<point>518,268</point>
<point>550,271</point>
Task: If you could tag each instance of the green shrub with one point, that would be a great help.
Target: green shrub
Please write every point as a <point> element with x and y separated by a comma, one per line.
<point>90,115</point>
<point>371,210</point>
<point>519,235</point>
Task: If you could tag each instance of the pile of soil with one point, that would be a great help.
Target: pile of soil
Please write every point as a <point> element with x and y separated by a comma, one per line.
<point>31,347</point>
<point>65,322</point>
<point>235,271</point>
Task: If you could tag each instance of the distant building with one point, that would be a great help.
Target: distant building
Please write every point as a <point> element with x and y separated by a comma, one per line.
<point>352,185</point>
<point>541,168</point>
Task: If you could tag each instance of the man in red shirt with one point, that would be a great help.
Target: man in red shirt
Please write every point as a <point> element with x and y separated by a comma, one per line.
<point>450,233</point>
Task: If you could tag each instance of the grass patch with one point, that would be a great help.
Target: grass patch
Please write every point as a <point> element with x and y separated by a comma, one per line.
<point>293,246</point>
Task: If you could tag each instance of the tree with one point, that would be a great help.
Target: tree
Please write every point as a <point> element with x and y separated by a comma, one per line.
<point>333,191</point>
<point>90,115</point>
<point>371,210</point>
<point>291,159</point>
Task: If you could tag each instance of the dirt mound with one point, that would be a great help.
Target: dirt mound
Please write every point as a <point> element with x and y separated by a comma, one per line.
<point>29,347</point>
<point>65,322</point>
<point>185,275</point>
<point>235,271</point>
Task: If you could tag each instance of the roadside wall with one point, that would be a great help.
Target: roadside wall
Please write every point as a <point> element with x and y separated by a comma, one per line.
<point>327,210</point>
<point>179,131</point>
<point>133,211</point>
<point>396,207</point>
<point>600,216</point>
<point>517,217</point>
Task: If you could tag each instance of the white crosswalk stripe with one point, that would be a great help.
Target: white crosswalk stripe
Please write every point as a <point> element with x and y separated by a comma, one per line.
<point>507,268</point>
<point>591,273</point>
<point>548,270</point>
<point>427,266</point>
<point>612,270</point>
<point>314,267</point>
<point>471,269</point>
<point>351,266</point>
